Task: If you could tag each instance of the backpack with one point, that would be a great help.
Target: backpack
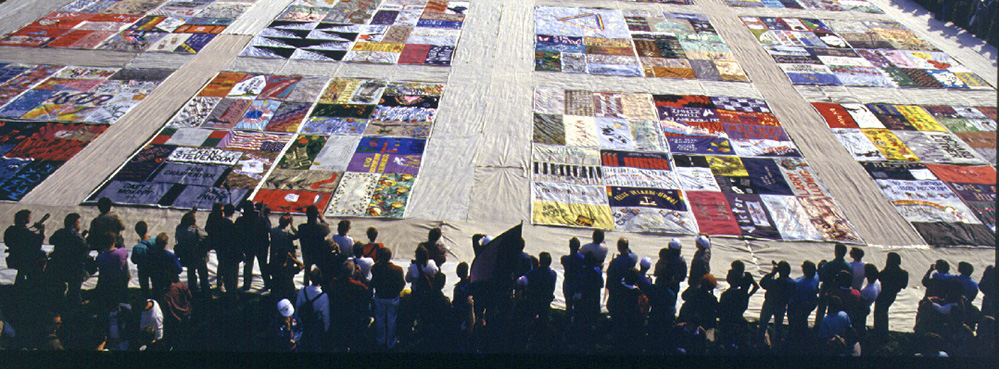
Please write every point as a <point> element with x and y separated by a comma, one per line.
<point>311,321</point>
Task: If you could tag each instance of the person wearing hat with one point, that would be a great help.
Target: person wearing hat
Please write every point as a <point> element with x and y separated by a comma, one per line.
<point>700,306</point>
<point>701,263</point>
<point>671,267</point>
<point>287,331</point>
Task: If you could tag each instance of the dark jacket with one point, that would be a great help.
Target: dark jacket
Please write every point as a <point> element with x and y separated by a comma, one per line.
<point>69,256</point>
<point>387,280</point>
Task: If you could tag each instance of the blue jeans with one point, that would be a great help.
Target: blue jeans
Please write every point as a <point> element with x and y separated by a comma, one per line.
<point>386,310</point>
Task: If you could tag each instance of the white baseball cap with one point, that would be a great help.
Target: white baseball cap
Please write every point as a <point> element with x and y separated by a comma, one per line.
<point>285,307</point>
<point>674,244</point>
<point>646,263</point>
<point>703,241</point>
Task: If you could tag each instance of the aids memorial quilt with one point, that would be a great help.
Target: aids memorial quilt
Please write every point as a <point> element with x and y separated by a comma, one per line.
<point>634,43</point>
<point>354,146</point>
<point>870,53</point>
<point>131,25</point>
<point>365,31</point>
<point>828,5</point>
<point>674,164</point>
<point>48,113</point>
<point>931,162</point>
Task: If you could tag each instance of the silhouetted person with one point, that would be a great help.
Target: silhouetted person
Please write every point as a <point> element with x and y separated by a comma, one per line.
<point>311,235</point>
<point>893,279</point>
<point>106,221</point>
<point>192,251</point>
<point>68,259</point>
<point>24,245</point>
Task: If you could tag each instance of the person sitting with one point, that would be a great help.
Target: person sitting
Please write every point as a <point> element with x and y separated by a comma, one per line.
<point>836,323</point>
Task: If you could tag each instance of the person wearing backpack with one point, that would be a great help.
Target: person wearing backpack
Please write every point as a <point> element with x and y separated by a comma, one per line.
<point>313,308</point>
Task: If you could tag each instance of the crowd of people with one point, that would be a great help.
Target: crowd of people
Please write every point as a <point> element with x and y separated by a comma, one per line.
<point>975,16</point>
<point>356,299</point>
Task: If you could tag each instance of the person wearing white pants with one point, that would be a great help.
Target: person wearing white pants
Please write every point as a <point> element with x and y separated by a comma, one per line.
<point>387,281</point>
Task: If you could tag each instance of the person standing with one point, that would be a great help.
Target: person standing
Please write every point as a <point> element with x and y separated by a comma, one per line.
<point>229,252</point>
<point>827,276</point>
<point>311,235</point>
<point>214,228</point>
<point>283,237</point>
<point>67,262</point>
<point>106,221</point>
<point>371,248</point>
<point>191,251</point>
<point>779,291</point>
<point>313,306</point>
<point>803,301</point>
<point>893,279</point>
<point>24,244</point>
<point>671,266</point>
<point>254,229</point>
<point>597,247</point>
<point>988,287</point>
<point>867,297</point>
<point>857,267</point>
<point>164,266</point>
<point>140,256</point>
<point>936,279</point>
<point>113,274</point>
<point>964,270</point>
<point>571,265</point>
<point>344,242</point>
<point>436,251</point>
<point>387,281</point>
<point>700,264</point>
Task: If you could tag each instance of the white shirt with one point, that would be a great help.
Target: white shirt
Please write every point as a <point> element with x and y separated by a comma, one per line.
<point>858,274</point>
<point>345,243</point>
<point>599,251</point>
<point>321,305</point>
<point>365,265</point>
<point>412,272</point>
<point>152,318</point>
<point>871,292</point>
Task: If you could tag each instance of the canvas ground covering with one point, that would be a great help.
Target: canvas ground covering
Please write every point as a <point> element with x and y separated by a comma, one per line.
<point>675,164</point>
<point>48,113</point>
<point>830,5</point>
<point>367,31</point>
<point>632,43</point>
<point>923,159</point>
<point>873,53</point>
<point>131,25</point>
<point>353,145</point>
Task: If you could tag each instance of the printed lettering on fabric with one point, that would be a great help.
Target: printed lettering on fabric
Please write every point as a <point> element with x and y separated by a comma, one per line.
<point>571,205</point>
<point>205,155</point>
<point>752,216</point>
<point>971,192</point>
<point>190,174</point>
<point>930,191</point>
<point>123,192</point>
<point>768,148</point>
<point>713,213</point>
<point>644,178</point>
<point>700,145</point>
<point>645,197</point>
<point>790,218</point>
<point>203,197</point>
<point>800,177</point>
